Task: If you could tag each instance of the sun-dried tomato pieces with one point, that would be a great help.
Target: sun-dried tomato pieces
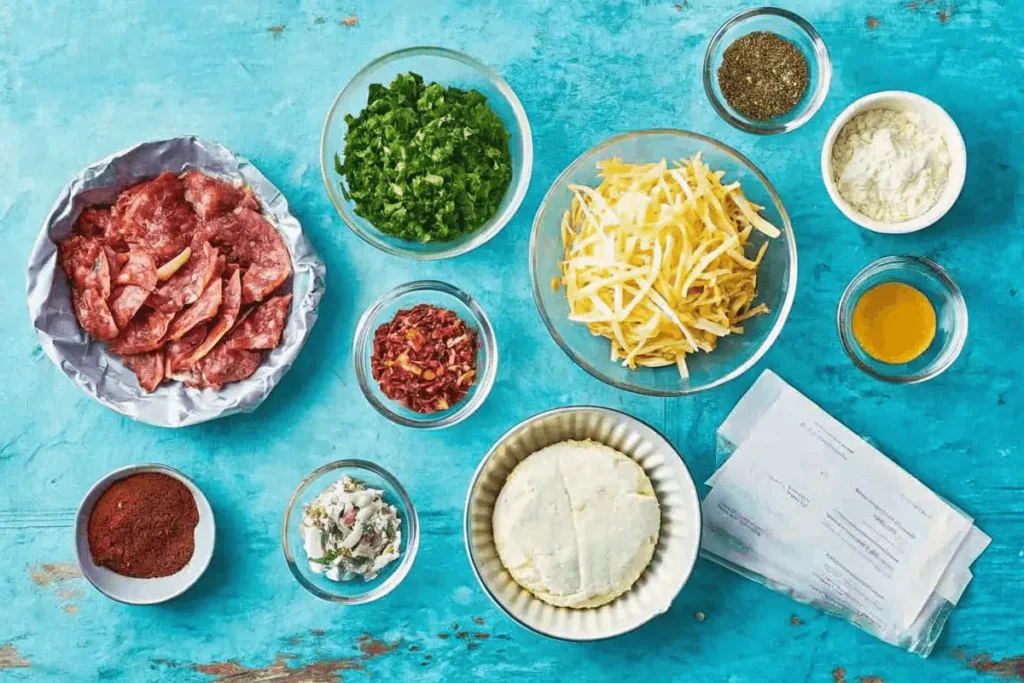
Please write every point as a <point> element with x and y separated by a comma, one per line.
<point>425,358</point>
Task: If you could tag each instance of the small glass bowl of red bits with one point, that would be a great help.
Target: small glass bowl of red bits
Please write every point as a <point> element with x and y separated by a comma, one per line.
<point>425,355</point>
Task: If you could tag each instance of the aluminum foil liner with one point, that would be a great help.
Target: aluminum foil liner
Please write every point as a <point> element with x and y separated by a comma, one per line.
<point>86,361</point>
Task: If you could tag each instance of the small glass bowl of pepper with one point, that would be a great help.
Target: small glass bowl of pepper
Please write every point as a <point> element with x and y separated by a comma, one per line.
<point>425,355</point>
<point>767,71</point>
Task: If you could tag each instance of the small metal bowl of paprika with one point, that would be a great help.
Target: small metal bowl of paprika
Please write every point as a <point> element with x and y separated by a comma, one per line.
<point>444,374</point>
<point>143,591</point>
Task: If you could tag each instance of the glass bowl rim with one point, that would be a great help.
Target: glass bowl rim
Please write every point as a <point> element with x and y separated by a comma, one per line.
<point>488,343</point>
<point>845,310</point>
<point>786,228</point>
<point>497,222</point>
<point>412,541</point>
<point>820,52</point>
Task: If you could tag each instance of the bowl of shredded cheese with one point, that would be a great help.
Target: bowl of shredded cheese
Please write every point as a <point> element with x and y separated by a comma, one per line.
<point>663,262</point>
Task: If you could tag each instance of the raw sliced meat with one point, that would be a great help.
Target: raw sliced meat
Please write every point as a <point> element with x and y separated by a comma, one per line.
<point>93,314</point>
<point>139,270</point>
<point>178,350</point>
<point>143,334</point>
<point>115,261</point>
<point>250,202</point>
<point>246,238</point>
<point>225,319</point>
<point>223,365</point>
<point>190,377</point>
<point>155,216</point>
<point>126,302</point>
<point>85,263</point>
<point>171,267</point>
<point>210,197</point>
<point>93,221</point>
<point>205,308</point>
<point>263,327</point>
<point>185,286</point>
<point>148,367</point>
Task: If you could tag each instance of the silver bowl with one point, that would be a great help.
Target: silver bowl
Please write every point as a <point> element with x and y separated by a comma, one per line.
<point>678,542</point>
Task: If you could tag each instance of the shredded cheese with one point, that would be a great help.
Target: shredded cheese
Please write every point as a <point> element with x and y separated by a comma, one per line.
<point>655,259</point>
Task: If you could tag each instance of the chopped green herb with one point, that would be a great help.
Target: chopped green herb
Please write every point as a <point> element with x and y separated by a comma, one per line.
<point>325,560</point>
<point>424,162</point>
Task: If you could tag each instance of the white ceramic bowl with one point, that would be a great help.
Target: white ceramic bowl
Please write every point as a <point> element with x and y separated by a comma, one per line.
<point>933,115</point>
<point>678,542</point>
<point>144,591</point>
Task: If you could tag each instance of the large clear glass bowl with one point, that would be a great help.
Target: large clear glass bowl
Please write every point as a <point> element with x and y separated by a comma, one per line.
<point>356,591</point>
<point>449,68</point>
<point>776,277</point>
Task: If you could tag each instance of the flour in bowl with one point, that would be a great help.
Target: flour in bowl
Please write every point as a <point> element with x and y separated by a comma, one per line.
<point>890,165</point>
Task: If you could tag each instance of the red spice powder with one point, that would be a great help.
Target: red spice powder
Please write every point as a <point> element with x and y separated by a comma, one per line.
<point>143,526</point>
<point>425,358</point>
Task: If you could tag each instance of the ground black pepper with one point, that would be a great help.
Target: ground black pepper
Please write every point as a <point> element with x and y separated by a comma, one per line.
<point>763,75</point>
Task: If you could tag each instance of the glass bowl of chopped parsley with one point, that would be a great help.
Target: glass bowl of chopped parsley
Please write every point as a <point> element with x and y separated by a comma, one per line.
<point>767,71</point>
<point>426,153</point>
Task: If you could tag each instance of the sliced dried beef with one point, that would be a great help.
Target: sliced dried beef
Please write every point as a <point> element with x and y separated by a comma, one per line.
<point>125,302</point>
<point>205,308</point>
<point>148,367</point>
<point>155,216</point>
<point>210,197</point>
<point>178,350</point>
<point>186,286</point>
<point>143,334</point>
<point>139,269</point>
<point>226,318</point>
<point>85,263</point>
<point>94,221</point>
<point>93,313</point>
<point>248,239</point>
<point>223,365</point>
<point>262,328</point>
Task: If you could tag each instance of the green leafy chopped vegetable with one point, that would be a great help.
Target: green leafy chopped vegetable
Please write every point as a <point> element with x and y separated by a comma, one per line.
<point>423,162</point>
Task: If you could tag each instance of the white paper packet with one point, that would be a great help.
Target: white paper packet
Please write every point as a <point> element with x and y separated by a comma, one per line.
<point>755,523</point>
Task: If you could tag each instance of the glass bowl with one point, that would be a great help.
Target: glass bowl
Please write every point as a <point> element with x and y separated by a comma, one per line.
<point>355,592</point>
<point>438,294</point>
<point>791,27</point>
<point>950,317</point>
<point>446,67</point>
<point>776,278</point>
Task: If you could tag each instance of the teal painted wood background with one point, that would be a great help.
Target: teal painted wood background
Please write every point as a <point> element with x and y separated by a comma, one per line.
<point>80,80</point>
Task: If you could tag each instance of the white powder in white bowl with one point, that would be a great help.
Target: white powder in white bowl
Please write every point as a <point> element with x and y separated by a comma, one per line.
<point>890,165</point>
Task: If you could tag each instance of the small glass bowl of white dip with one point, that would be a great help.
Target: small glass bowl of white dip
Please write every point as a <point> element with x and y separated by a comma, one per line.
<point>355,591</point>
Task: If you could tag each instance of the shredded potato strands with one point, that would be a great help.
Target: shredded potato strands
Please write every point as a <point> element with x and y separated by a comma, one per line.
<point>655,260</point>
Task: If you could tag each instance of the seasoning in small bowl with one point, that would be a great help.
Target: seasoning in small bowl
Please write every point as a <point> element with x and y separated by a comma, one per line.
<point>144,534</point>
<point>143,526</point>
<point>425,355</point>
<point>894,162</point>
<point>766,71</point>
<point>902,319</point>
<point>425,358</point>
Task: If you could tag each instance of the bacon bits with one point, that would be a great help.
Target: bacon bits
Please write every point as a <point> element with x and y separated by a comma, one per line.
<point>425,358</point>
<point>164,274</point>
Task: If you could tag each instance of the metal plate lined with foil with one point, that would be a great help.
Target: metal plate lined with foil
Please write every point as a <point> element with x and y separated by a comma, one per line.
<point>87,362</point>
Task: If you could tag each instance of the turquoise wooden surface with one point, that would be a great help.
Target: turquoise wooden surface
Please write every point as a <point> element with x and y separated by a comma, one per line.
<point>80,80</point>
